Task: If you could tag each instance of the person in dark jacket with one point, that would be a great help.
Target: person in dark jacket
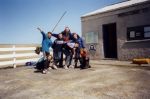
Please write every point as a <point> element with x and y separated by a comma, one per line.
<point>67,38</point>
<point>76,54</point>
<point>66,35</point>
<point>58,51</point>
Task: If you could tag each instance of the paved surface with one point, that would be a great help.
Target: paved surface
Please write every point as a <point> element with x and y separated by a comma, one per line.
<point>102,81</point>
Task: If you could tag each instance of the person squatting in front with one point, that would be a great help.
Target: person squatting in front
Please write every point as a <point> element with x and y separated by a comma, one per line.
<point>46,44</point>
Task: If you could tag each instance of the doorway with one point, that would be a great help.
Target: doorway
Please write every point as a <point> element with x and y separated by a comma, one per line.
<point>110,40</point>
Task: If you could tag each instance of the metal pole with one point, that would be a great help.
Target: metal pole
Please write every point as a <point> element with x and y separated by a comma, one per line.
<point>59,20</point>
<point>14,56</point>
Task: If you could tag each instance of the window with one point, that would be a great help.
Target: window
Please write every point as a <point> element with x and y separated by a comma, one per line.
<point>138,33</point>
<point>147,32</point>
<point>91,37</point>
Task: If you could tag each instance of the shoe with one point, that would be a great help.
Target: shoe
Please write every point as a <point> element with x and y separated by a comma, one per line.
<point>44,72</point>
<point>89,66</point>
<point>71,66</point>
<point>65,67</point>
<point>55,67</point>
<point>75,66</point>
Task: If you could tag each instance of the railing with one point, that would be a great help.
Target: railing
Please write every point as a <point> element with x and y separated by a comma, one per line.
<point>13,55</point>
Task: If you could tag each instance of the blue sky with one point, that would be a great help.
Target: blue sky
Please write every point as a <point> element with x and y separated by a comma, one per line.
<point>20,18</point>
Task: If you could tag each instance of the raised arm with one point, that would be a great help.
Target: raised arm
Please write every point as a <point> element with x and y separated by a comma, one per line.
<point>44,35</point>
<point>39,29</point>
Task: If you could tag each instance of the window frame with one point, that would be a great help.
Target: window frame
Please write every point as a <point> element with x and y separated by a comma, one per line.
<point>138,33</point>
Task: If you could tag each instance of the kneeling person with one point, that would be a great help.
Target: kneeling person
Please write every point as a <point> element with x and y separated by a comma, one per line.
<point>80,52</point>
<point>84,59</point>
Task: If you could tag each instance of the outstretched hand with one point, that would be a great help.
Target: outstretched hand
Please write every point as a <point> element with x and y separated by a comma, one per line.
<point>39,29</point>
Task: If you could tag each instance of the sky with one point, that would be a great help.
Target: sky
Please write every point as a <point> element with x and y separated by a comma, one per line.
<point>20,18</point>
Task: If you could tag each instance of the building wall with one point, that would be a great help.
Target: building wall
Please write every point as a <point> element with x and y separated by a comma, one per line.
<point>126,50</point>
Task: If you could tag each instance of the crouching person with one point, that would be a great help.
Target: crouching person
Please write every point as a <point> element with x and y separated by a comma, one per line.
<point>84,59</point>
<point>46,44</point>
<point>58,51</point>
<point>80,52</point>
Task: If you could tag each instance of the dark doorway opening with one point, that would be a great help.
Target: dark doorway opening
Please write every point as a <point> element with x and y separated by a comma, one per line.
<point>110,40</point>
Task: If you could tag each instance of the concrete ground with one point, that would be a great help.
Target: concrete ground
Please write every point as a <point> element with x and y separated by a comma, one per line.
<point>105,80</point>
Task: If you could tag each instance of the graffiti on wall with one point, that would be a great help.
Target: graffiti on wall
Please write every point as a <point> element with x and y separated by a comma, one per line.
<point>92,49</point>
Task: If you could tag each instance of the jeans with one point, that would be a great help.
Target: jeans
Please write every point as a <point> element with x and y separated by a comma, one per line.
<point>58,58</point>
<point>68,59</point>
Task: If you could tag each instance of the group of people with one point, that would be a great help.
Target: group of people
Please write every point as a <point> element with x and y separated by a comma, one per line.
<point>66,43</point>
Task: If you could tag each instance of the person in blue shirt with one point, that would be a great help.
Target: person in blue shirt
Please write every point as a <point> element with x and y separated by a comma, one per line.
<point>77,38</point>
<point>46,44</point>
<point>79,45</point>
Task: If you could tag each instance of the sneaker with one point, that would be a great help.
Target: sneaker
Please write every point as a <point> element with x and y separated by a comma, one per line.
<point>44,72</point>
<point>48,69</point>
<point>54,67</point>
<point>71,66</point>
<point>65,67</point>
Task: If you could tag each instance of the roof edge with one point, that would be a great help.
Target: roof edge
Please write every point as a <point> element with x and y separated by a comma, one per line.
<point>109,10</point>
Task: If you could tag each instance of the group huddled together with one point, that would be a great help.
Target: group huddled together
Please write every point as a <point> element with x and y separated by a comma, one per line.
<point>67,44</point>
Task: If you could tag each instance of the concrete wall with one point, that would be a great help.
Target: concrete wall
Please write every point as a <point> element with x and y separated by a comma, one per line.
<point>126,50</point>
